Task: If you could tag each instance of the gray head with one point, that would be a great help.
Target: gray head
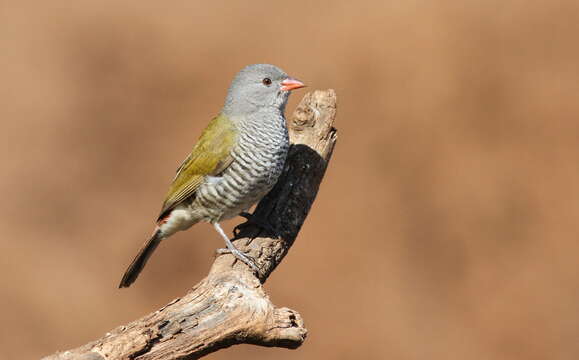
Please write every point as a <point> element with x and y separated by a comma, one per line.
<point>259,86</point>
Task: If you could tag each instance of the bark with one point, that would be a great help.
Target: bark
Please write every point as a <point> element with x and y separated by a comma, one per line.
<point>230,306</point>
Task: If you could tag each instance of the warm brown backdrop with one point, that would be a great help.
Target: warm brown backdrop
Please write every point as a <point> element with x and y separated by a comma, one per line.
<point>446,227</point>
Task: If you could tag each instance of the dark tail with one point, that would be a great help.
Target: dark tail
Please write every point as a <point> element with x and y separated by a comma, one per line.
<point>140,260</point>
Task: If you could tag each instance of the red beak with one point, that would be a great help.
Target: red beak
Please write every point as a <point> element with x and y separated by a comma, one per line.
<point>291,84</point>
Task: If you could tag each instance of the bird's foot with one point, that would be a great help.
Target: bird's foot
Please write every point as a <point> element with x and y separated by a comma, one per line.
<point>222,251</point>
<point>253,221</point>
<point>239,255</point>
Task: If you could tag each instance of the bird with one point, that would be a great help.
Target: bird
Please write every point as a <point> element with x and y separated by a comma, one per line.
<point>236,161</point>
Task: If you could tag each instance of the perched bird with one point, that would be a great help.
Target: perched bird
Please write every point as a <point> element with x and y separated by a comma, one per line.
<point>236,161</point>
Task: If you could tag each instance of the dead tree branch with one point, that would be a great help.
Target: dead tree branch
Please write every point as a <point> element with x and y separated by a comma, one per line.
<point>230,306</point>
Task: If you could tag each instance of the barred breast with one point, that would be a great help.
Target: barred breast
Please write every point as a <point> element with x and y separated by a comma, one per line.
<point>259,158</point>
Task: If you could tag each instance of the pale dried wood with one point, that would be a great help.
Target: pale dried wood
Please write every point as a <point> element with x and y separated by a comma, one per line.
<point>230,306</point>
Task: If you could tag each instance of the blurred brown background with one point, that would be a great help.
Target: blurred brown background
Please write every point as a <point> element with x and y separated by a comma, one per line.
<point>446,226</point>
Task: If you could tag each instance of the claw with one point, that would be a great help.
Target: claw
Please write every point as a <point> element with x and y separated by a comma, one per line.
<point>239,255</point>
<point>222,251</point>
<point>231,249</point>
<point>246,259</point>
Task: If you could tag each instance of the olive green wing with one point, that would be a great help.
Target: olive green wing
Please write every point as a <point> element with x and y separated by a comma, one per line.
<point>210,157</point>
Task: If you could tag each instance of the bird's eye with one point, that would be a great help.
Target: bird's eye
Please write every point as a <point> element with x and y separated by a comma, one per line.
<point>266,81</point>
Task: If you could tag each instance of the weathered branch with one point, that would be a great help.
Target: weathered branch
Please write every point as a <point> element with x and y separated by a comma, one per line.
<point>229,306</point>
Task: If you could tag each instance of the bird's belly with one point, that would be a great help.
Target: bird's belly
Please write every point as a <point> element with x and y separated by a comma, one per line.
<point>243,184</point>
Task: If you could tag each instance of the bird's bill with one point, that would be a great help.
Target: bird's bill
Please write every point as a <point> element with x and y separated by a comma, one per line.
<point>290,84</point>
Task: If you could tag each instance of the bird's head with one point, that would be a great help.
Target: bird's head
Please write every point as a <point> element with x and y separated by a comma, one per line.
<point>259,86</point>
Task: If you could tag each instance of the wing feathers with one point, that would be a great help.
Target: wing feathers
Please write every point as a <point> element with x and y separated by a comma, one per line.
<point>210,157</point>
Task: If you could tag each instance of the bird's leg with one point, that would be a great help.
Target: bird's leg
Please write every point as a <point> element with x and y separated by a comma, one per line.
<point>253,220</point>
<point>233,250</point>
